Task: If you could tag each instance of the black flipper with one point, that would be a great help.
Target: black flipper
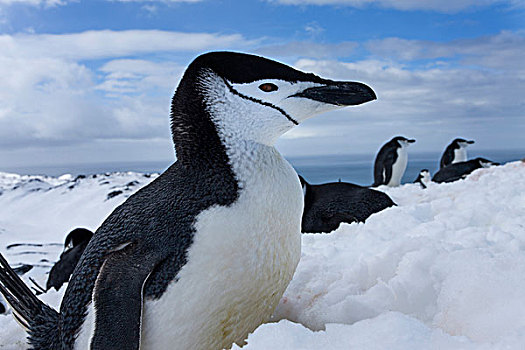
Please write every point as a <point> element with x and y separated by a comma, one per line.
<point>390,159</point>
<point>447,157</point>
<point>383,166</point>
<point>118,297</point>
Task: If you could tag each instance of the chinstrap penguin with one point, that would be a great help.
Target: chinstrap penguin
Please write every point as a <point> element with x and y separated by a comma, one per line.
<point>327,205</point>
<point>457,171</point>
<point>391,162</point>
<point>455,152</point>
<point>74,245</point>
<point>200,257</point>
<point>423,178</point>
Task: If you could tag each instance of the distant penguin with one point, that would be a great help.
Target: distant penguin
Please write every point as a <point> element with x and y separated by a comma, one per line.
<point>391,162</point>
<point>455,152</point>
<point>328,205</point>
<point>74,245</point>
<point>423,178</point>
<point>460,170</point>
<point>201,256</point>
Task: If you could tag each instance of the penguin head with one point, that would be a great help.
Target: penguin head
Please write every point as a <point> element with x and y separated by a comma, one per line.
<point>76,237</point>
<point>253,98</point>
<point>485,163</point>
<point>424,175</point>
<point>403,141</point>
<point>462,143</point>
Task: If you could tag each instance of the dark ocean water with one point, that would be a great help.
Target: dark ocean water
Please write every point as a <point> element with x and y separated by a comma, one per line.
<point>315,169</point>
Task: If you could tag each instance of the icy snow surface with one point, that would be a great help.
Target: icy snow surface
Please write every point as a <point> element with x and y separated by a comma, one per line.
<point>445,269</point>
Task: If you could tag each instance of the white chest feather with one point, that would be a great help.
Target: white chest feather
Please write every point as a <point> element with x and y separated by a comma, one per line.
<point>399,167</point>
<point>240,263</point>
<point>460,155</point>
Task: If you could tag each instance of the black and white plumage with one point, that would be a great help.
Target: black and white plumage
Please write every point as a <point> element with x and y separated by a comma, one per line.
<point>458,171</point>
<point>74,245</point>
<point>200,257</point>
<point>391,162</point>
<point>327,205</point>
<point>423,178</point>
<point>455,152</point>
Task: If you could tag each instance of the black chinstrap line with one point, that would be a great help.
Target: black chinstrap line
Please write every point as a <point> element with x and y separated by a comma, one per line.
<point>267,104</point>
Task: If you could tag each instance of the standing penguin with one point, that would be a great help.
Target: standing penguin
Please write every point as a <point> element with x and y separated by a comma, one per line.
<point>200,257</point>
<point>455,152</point>
<point>391,162</point>
<point>458,171</point>
<point>423,178</point>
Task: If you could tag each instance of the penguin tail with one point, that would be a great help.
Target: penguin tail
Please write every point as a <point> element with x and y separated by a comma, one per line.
<point>24,303</point>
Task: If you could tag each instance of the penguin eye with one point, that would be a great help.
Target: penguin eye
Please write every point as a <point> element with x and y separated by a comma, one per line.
<point>268,87</point>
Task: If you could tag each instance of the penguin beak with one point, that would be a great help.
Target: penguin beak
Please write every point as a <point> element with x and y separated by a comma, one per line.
<point>411,140</point>
<point>470,142</point>
<point>339,93</point>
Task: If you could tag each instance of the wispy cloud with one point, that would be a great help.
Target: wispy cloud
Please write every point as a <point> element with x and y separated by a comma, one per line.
<point>159,1</point>
<point>504,50</point>
<point>50,3</point>
<point>108,43</point>
<point>447,6</point>
<point>136,76</point>
<point>47,3</point>
<point>309,49</point>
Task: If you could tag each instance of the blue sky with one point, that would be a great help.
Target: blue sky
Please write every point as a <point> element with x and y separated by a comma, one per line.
<point>91,81</point>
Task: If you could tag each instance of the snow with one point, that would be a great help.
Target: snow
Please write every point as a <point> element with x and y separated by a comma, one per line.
<point>445,269</point>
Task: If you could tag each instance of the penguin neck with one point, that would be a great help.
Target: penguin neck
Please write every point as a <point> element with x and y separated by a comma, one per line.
<point>460,155</point>
<point>195,136</point>
<point>200,143</point>
<point>247,158</point>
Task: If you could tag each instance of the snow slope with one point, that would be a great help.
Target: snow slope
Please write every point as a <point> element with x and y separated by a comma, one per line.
<point>445,269</point>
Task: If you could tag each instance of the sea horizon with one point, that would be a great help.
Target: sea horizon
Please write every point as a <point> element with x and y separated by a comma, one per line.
<point>354,168</point>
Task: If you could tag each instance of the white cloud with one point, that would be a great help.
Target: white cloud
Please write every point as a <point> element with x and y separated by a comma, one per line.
<point>47,3</point>
<point>447,6</point>
<point>109,43</point>
<point>309,49</point>
<point>432,104</point>
<point>502,51</point>
<point>53,95</point>
<point>164,1</point>
<point>125,76</point>
<point>50,96</point>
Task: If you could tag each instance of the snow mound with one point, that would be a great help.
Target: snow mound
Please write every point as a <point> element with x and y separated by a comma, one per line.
<point>445,269</point>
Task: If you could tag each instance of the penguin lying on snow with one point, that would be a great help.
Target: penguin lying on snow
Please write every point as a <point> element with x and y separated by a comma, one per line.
<point>328,205</point>
<point>75,243</point>
<point>200,257</point>
<point>460,170</point>
<point>391,162</point>
<point>423,178</point>
<point>455,152</point>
